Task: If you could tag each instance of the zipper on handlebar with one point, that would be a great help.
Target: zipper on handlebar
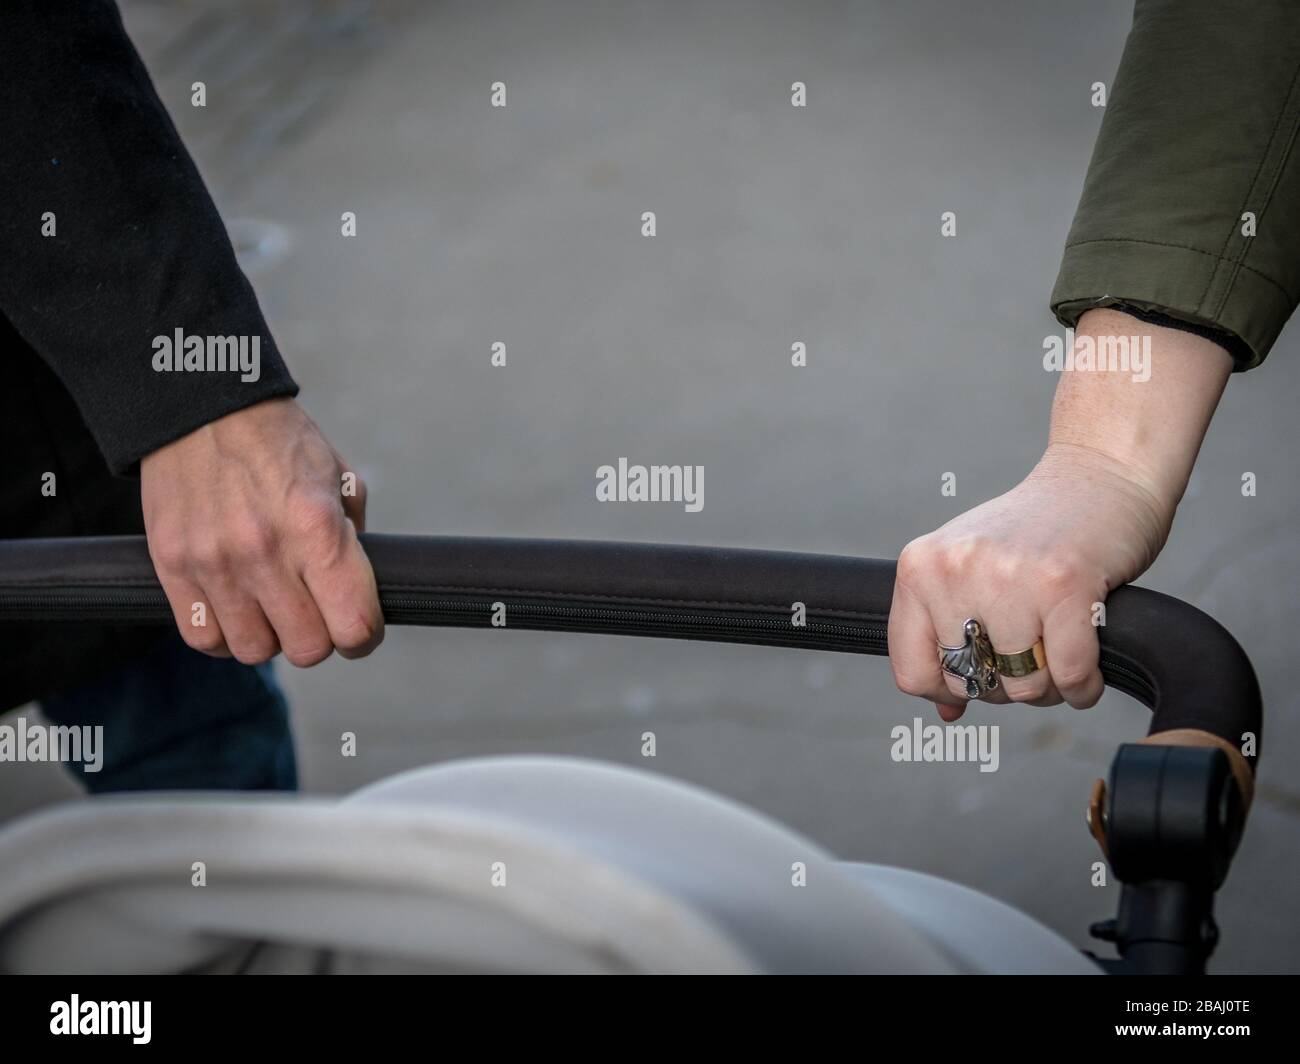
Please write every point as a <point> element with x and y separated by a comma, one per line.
<point>732,625</point>
<point>145,605</point>
<point>729,624</point>
<point>1127,679</point>
<point>98,603</point>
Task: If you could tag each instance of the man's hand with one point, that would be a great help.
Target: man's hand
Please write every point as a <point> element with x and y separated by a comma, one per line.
<point>248,516</point>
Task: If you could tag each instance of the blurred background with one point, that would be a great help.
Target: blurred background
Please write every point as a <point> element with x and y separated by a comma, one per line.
<point>775,225</point>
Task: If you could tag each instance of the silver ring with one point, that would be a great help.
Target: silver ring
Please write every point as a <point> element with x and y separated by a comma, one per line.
<point>973,662</point>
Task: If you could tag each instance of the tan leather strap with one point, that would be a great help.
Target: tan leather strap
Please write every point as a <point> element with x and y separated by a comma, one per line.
<point>1096,817</point>
<point>1195,737</point>
<point>1241,770</point>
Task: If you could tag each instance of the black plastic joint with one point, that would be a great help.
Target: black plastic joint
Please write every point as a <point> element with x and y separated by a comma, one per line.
<point>1173,813</point>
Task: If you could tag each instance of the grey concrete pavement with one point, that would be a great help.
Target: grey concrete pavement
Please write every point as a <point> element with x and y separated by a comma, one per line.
<point>774,225</point>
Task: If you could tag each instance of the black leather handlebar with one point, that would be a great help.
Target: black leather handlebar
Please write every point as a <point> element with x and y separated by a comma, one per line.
<point>1172,657</point>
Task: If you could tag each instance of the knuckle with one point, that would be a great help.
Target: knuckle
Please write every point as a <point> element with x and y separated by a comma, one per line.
<point>915,561</point>
<point>1072,676</point>
<point>912,681</point>
<point>316,516</point>
<point>356,634</point>
<point>252,540</point>
<point>1025,688</point>
<point>202,640</point>
<point>960,556</point>
<point>1058,576</point>
<point>1085,701</point>
<point>252,644</point>
<point>207,554</point>
<point>1008,567</point>
<point>308,654</point>
<point>169,553</point>
<point>360,634</point>
<point>254,652</point>
<point>1086,693</point>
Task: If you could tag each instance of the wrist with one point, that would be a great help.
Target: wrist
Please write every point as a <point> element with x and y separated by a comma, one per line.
<point>231,431</point>
<point>1083,463</point>
<point>1143,429</point>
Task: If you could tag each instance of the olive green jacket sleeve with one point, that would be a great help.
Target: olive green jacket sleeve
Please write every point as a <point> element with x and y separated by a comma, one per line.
<point>1199,138</point>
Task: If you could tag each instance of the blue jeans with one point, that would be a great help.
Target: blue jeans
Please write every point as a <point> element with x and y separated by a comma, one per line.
<point>180,720</point>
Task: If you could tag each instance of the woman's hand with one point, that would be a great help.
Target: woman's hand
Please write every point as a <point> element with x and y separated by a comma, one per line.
<point>1031,564</point>
<point>1094,513</point>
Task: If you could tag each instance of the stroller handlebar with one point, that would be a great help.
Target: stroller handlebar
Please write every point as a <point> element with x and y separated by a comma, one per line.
<point>1166,653</point>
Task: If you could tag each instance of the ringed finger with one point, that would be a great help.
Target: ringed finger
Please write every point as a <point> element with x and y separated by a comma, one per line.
<point>951,630</point>
<point>1012,629</point>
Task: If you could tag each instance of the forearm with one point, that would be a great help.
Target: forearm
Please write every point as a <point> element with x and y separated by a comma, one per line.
<point>110,238</point>
<point>1151,429</point>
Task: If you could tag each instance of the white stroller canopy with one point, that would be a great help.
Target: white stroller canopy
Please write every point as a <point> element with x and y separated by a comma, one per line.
<point>504,864</point>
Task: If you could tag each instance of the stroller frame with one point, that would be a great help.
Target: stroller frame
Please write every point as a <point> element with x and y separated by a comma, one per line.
<point>1169,818</point>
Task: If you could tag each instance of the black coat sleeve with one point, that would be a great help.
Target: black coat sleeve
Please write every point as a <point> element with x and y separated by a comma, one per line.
<point>138,249</point>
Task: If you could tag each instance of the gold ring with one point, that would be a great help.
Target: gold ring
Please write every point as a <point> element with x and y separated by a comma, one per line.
<point>1021,663</point>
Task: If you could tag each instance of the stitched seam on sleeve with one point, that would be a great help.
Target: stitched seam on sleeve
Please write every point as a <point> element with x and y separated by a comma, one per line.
<point>1250,193</point>
<point>1184,247</point>
<point>1293,97</point>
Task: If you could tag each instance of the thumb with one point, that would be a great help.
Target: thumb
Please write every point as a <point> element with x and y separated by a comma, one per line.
<point>353,497</point>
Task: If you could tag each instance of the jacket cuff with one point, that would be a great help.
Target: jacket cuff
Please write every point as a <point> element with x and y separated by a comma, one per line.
<point>1174,281</point>
<point>186,418</point>
<point>136,400</point>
